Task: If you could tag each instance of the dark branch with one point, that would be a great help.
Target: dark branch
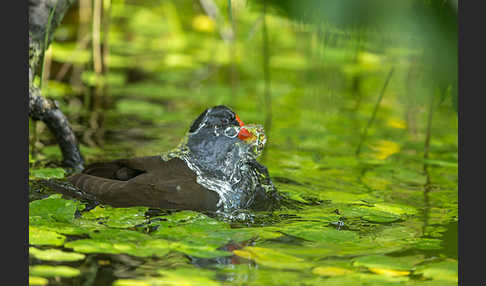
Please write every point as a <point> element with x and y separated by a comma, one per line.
<point>41,108</point>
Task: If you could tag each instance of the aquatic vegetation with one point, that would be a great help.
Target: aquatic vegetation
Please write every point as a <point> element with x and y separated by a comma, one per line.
<point>388,216</point>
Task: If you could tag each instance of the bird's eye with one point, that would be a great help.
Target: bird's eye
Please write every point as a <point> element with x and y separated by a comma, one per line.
<point>225,121</point>
<point>231,131</point>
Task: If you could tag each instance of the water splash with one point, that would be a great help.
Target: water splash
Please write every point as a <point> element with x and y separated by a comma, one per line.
<point>239,180</point>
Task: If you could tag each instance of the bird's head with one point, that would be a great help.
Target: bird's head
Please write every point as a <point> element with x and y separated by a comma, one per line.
<point>218,131</point>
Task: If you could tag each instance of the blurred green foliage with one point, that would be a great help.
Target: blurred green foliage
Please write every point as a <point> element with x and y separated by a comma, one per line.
<point>166,61</point>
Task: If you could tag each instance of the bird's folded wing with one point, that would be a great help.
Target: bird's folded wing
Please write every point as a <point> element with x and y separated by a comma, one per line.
<point>124,169</point>
<point>167,185</point>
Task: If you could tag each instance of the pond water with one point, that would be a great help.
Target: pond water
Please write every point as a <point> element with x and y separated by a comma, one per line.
<point>384,217</point>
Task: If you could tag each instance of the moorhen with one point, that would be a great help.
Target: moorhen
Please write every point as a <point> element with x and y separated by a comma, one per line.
<point>214,168</point>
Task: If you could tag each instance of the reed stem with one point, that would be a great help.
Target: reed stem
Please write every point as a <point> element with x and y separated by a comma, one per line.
<point>375,110</point>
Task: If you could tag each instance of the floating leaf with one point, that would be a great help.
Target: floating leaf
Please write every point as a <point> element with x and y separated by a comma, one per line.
<point>179,276</point>
<point>76,227</point>
<point>388,272</point>
<point>409,176</point>
<point>34,280</point>
<point>397,209</point>
<point>396,233</point>
<point>198,250</point>
<point>54,271</point>
<point>133,282</point>
<point>244,274</point>
<point>53,208</point>
<point>198,235</point>
<point>331,271</point>
<point>55,255</point>
<point>380,217</point>
<point>143,249</point>
<point>117,241</point>
<point>271,258</point>
<point>381,263</point>
<point>428,243</point>
<point>188,276</point>
<point>446,270</point>
<point>366,279</point>
<point>319,233</point>
<point>344,197</point>
<point>45,237</point>
<point>47,173</point>
<point>117,217</point>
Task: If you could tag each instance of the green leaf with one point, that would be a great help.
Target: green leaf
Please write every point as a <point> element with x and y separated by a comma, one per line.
<point>319,233</point>
<point>119,241</point>
<point>53,271</point>
<point>272,258</point>
<point>446,270</point>
<point>117,217</point>
<point>39,236</point>
<point>405,263</point>
<point>198,250</point>
<point>145,248</point>
<point>34,280</point>
<point>53,208</point>
<point>180,276</point>
<point>46,173</point>
<point>55,255</point>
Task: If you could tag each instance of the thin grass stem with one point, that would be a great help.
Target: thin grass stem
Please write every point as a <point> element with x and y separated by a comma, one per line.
<point>375,110</point>
<point>46,42</point>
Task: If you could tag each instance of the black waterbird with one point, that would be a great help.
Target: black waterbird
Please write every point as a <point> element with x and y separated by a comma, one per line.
<point>214,168</point>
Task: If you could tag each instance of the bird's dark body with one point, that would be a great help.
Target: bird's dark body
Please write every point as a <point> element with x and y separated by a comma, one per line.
<point>146,181</point>
<point>214,169</point>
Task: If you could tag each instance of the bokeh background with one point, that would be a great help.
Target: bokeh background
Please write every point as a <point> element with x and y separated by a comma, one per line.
<point>359,103</point>
<point>129,70</point>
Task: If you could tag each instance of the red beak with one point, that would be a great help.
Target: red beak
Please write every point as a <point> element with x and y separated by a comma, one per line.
<point>244,134</point>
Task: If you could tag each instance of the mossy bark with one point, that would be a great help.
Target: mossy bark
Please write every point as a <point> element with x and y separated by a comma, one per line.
<point>41,108</point>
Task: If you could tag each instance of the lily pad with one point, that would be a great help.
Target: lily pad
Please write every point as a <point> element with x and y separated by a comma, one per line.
<point>363,279</point>
<point>428,243</point>
<point>387,265</point>
<point>331,271</point>
<point>35,281</point>
<point>445,271</point>
<point>54,271</point>
<point>117,217</point>
<point>143,249</point>
<point>319,233</point>
<point>179,276</point>
<point>244,274</point>
<point>198,250</point>
<point>343,197</point>
<point>198,235</point>
<point>53,208</point>
<point>47,173</point>
<point>409,176</point>
<point>117,241</point>
<point>39,236</point>
<point>77,227</point>
<point>188,276</point>
<point>396,209</point>
<point>272,258</point>
<point>55,255</point>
